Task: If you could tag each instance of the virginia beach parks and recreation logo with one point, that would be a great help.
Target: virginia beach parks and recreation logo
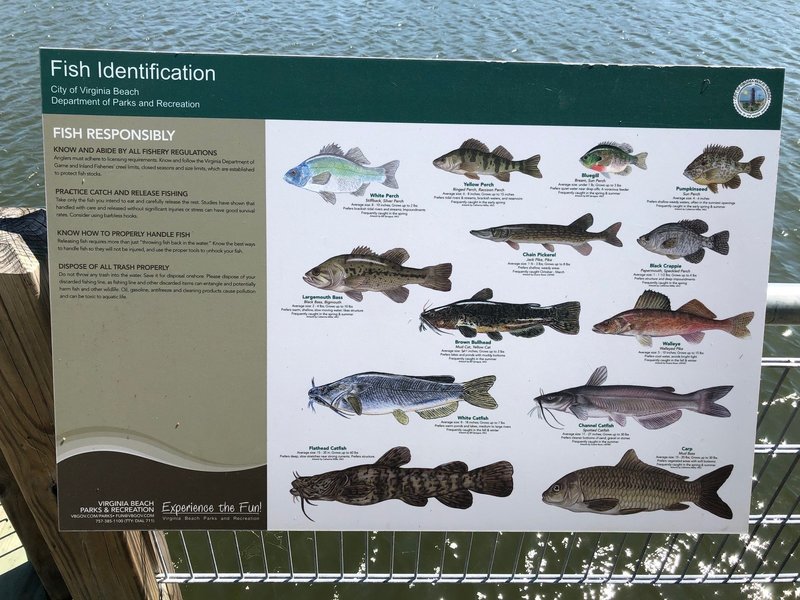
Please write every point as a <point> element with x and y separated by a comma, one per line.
<point>752,98</point>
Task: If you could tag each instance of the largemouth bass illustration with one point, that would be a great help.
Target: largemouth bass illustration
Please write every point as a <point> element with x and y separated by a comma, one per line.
<point>613,157</point>
<point>480,315</point>
<point>652,317</point>
<point>333,172</point>
<point>474,158</point>
<point>632,486</point>
<point>365,271</point>
<point>431,397</point>
<point>576,234</point>
<point>451,484</point>
<point>684,239</point>
<point>719,165</point>
<point>651,407</point>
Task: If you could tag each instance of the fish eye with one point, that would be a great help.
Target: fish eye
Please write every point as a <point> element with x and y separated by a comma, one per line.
<point>556,488</point>
<point>293,172</point>
<point>315,271</point>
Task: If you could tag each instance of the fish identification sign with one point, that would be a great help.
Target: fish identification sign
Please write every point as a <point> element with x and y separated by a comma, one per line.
<point>541,309</point>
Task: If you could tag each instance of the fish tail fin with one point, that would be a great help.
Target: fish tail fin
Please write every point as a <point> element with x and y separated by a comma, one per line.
<point>389,169</point>
<point>719,242</point>
<point>707,401</point>
<point>565,317</point>
<point>496,479</point>
<point>640,160</point>
<point>709,498</point>
<point>438,277</point>
<point>530,166</point>
<point>476,392</point>
<point>737,326</point>
<point>610,234</point>
<point>754,169</point>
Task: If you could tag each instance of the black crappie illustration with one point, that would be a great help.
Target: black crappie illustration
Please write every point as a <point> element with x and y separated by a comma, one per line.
<point>684,239</point>
<point>474,158</point>
<point>719,165</point>
<point>613,157</point>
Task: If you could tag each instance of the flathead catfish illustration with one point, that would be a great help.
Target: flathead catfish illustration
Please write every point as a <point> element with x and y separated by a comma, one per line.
<point>652,317</point>
<point>651,407</point>
<point>632,486</point>
<point>474,158</point>
<point>576,234</point>
<point>480,315</point>
<point>431,397</point>
<point>719,165</point>
<point>365,271</point>
<point>451,484</point>
<point>333,172</point>
<point>684,239</point>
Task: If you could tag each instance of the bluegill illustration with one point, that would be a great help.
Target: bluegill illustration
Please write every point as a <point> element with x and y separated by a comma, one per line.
<point>451,483</point>
<point>613,157</point>
<point>333,172</point>
<point>719,165</point>
<point>365,271</point>
<point>632,486</point>
<point>480,315</point>
<point>474,158</point>
<point>576,234</point>
<point>684,239</point>
<point>651,407</point>
<point>431,397</point>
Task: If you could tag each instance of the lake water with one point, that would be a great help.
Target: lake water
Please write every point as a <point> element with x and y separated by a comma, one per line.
<point>698,33</point>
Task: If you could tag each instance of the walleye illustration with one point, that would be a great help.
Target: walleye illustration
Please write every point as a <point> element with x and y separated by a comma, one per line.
<point>431,397</point>
<point>652,317</point>
<point>474,158</point>
<point>719,165</point>
<point>684,239</point>
<point>651,407</point>
<point>451,484</point>
<point>576,234</point>
<point>480,315</point>
<point>333,172</point>
<point>613,157</point>
<point>632,486</point>
<point>365,271</point>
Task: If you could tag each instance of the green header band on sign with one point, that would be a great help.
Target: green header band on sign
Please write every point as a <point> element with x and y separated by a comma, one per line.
<point>93,82</point>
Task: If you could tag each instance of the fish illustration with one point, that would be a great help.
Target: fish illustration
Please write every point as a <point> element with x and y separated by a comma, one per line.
<point>474,158</point>
<point>333,172</point>
<point>632,486</point>
<point>365,271</point>
<point>652,317</point>
<point>480,315</point>
<point>612,157</point>
<point>719,165</point>
<point>576,234</point>
<point>651,407</point>
<point>684,239</point>
<point>431,397</point>
<point>451,483</point>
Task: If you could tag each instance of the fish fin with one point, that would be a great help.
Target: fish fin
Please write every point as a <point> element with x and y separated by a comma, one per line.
<point>652,300</point>
<point>583,223</point>
<point>755,167</point>
<point>438,277</point>
<point>605,174</point>
<point>737,326</point>
<point>467,332</point>
<point>640,160</point>
<point>414,500</point>
<point>659,421</point>
<point>694,338</point>
<point>355,491</point>
<point>713,187</point>
<point>321,178</point>
<point>624,146</point>
<point>732,152</point>
<point>396,457</point>
<point>565,317</point>
<point>528,332</point>
<point>396,255</point>
<point>602,504</point>
<point>707,401</point>
<point>389,170</point>
<point>470,175</point>
<point>669,242</point>
<point>666,388</point>
<point>579,411</point>
<point>473,144</point>
<point>598,377</point>
<point>438,412</point>
<point>676,506</point>
<point>618,418</point>
<point>455,466</point>
<point>504,177</point>
<point>459,499</point>
<point>719,242</point>
<point>332,149</point>
<point>484,294</point>
<point>695,307</point>
<point>496,479</point>
<point>695,257</point>
<point>673,256</point>
<point>644,340</point>
<point>610,235</point>
<point>356,156</point>
<point>355,404</point>
<point>329,197</point>
<point>502,153</point>
<point>401,417</point>
<point>495,336</point>
<point>584,249</point>
<point>513,244</point>
<point>530,166</point>
<point>626,171</point>
<point>696,225</point>
<point>398,294</point>
<point>476,392</point>
<point>363,251</point>
<point>733,183</point>
<point>548,247</point>
<point>361,190</point>
<point>357,296</point>
<point>631,511</point>
<point>709,498</point>
<point>631,462</point>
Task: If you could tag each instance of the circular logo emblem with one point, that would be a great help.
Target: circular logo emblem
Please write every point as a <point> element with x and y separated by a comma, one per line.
<point>752,98</point>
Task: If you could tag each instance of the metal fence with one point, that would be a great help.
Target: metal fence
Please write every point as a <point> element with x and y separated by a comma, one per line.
<point>764,555</point>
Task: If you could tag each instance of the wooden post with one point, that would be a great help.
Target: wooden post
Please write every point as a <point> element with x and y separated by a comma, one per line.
<point>118,565</point>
